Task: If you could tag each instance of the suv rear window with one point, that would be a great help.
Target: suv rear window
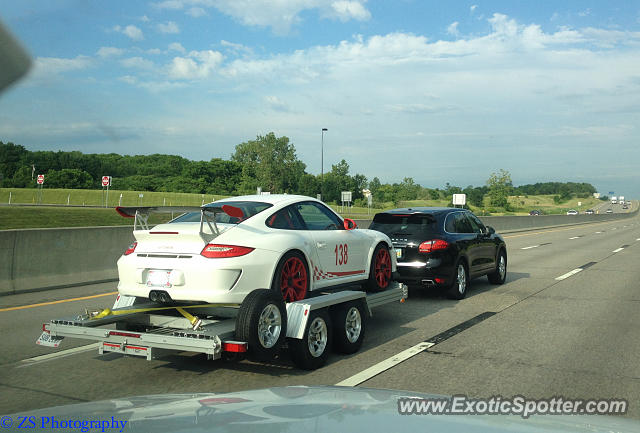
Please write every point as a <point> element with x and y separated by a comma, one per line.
<point>415,224</point>
<point>249,209</point>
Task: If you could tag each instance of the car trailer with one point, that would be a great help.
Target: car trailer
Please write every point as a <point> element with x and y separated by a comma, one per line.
<point>258,328</point>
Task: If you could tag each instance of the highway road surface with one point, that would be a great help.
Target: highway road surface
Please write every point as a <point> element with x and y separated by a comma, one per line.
<point>564,324</point>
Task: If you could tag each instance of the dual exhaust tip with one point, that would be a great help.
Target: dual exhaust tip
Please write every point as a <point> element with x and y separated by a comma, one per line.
<point>160,296</point>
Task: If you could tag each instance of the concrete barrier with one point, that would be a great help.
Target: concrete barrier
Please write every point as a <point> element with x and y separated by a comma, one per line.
<point>41,259</point>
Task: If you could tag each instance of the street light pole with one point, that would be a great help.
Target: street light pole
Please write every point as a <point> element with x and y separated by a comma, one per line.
<point>322,162</point>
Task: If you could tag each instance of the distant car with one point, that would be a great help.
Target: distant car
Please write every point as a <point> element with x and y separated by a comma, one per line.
<point>625,207</point>
<point>609,210</point>
<point>572,212</point>
<point>589,212</point>
<point>443,248</point>
<point>535,212</point>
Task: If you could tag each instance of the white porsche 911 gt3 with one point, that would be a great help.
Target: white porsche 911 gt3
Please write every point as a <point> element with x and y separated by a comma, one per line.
<point>221,252</point>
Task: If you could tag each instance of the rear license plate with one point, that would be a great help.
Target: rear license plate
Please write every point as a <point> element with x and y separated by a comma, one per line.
<point>47,340</point>
<point>399,253</point>
<point>158,278</point>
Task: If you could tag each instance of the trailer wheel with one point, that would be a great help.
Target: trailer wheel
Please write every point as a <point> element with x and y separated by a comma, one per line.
<point>379,269</point>
<point>262,323</point>
<point>312,350</point>
<point>349,321</point>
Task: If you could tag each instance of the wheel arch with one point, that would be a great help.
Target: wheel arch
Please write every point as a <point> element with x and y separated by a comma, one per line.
<point>307,259</point>
<point>371,251</point>
<point>501,248</point>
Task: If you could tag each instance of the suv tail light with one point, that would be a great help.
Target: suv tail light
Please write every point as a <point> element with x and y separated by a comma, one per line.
<point>433,245</point>
<point>215,251</point>
<point>131,248</point>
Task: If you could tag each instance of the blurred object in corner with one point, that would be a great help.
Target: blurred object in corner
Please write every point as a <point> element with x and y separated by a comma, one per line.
<point>14,60</point>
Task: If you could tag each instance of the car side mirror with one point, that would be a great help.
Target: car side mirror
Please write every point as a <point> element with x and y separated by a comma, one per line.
<point>489,230</point>
<point>350,224</point>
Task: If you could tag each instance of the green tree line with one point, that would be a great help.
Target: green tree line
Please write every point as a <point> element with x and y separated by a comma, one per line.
<point>269,162</point>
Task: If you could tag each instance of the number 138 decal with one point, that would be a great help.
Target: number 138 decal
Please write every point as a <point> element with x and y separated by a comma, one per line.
<point>342,254</point>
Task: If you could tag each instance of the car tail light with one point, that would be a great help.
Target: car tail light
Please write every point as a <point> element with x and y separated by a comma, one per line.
<point>215,251</point>
<point>433,245</point>
<point>131,248</point>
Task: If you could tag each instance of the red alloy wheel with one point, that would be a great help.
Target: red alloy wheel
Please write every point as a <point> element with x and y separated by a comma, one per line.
<point>293,280</point>
<point>383,268</point>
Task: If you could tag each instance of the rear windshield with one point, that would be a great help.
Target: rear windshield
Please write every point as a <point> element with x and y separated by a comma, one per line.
<point>417,224</point>
<point>249,209</point>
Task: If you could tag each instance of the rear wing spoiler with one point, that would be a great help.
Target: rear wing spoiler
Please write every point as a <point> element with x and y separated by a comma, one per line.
<point>207,214</point>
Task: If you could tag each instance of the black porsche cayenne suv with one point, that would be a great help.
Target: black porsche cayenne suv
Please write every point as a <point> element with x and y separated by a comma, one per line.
<point>443,247</point>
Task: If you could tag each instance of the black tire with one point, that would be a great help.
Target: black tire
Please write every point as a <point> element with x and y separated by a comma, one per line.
<point>379,269</point>
<point>262,323</point>
<point>311,352</point>
<point>499,276</point>
<point>460,284</point>
<point>349,321</point>
<point>298,279</point>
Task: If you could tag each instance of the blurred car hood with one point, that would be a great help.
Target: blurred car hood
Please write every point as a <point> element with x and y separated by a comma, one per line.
<point>307,409</point>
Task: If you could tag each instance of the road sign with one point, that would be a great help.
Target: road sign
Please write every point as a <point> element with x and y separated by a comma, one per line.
<point>40,179</point>
<point>459,199</point>
<point>106,180</point>
<point>346,196</point>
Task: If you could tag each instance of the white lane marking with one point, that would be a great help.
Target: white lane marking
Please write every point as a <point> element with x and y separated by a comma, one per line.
<point>598,232</point>
<point>382,366</point>
<point>528,248</point>
<point>568,274</point>
<point>575,237</point>
<point>617,250</point>
<point>615,228</point>
<point>60,354</point>
<point>638,239</point>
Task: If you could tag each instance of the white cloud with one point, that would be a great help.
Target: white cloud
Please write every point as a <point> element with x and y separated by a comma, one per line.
<point>137,63</point>
<point>347,10</point>
<point>109,52</point>
<point>155,51</point>
<point>130,31</point>
<point>129,79</point>
<point>197,65</point>
<point>56,65</point>
<point>170,4</point>
<point>168,27</point>
<point>236,48</point>
<point>473,8</point>
<point>176,46</point>
<point>196,12</point>
<point>276,104</point>
<point>585,12</point>
<point>144,19</point>
<point>453,29</point>
<point>279,15</point>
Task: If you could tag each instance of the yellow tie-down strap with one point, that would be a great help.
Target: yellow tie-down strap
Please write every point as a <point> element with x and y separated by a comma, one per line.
<point>194,320</point>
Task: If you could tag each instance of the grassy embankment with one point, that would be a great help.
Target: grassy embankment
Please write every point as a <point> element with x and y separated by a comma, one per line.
<point>17,217</point>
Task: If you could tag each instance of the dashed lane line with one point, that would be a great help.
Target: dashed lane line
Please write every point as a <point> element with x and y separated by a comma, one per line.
<point>575,271</point>
<point>388,363</point>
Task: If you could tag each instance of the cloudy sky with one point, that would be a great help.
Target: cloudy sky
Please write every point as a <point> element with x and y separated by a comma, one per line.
<point>438,91</point>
